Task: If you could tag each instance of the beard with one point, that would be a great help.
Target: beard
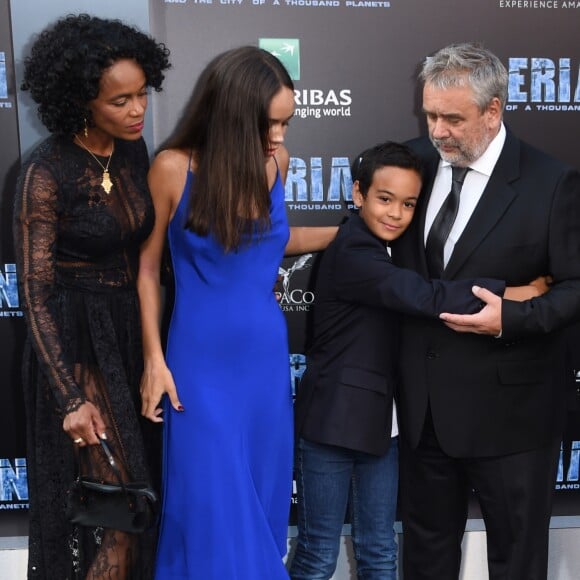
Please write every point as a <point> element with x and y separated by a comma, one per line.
<point>463,153</point>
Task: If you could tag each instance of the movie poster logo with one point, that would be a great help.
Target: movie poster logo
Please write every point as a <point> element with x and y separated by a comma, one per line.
<point>297,368</point>
<point>568,476</point>
<point>318,103</point>
<point>13,484</point>
<point>319,184</point>
<point>4,102</point>
<point>287,51</point>
<point>293,296</point>
<point>311,102</point>
<point>3,77</point>
<point>543,84</point>
<point>291,3</point>
<point>9,303</point>
<point>538,4</point>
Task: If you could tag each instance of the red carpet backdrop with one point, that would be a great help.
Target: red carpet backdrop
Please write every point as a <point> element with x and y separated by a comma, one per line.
<point>13,489</point>
<point>354,63</point>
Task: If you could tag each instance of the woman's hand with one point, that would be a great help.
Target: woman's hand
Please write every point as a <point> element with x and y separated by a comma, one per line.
<point>85,425</point>
<point>166,181</point>
<point>156,381</point>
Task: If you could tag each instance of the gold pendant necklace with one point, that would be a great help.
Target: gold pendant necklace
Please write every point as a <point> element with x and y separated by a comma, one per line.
<point>106,182</point>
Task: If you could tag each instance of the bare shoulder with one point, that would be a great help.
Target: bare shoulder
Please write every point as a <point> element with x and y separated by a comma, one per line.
<point>168,175</point>
<point>171,161</point>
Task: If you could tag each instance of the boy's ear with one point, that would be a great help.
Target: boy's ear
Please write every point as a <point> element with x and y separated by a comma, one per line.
<point>357,196</point>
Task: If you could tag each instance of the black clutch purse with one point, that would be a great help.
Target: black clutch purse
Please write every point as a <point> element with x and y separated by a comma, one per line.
<point>130,507</point>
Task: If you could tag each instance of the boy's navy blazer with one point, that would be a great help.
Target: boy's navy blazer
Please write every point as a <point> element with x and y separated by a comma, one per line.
<point>346,394</point>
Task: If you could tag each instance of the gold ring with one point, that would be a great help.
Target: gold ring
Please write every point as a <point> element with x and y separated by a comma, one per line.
<point>78,441</point>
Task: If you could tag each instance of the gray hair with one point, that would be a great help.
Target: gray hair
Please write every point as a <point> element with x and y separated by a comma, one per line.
<point>468,64</point>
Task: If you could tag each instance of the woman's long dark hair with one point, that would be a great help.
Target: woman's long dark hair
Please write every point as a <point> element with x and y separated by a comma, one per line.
<point>226,125</point>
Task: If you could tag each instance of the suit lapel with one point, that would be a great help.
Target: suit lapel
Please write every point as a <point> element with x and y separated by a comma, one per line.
<point>495,200</point>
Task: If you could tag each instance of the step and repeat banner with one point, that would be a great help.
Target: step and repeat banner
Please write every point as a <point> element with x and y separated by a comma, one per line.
<point>354,65</point>
<point>13,483</point>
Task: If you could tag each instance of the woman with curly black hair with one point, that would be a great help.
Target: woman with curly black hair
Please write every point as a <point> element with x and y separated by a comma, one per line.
<point>82,210</point>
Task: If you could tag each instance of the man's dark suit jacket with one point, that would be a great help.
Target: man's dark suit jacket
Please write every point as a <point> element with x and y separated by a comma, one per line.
<point>345,397</point>
<point>494,396</point>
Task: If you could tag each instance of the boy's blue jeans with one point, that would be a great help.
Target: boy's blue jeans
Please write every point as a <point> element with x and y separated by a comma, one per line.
<point>330,478</point>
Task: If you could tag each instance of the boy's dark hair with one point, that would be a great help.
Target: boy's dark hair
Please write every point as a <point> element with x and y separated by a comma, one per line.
<point>388,154</point>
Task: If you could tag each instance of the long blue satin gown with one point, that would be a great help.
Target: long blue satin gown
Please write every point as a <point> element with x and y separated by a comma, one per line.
<point>228,455</point>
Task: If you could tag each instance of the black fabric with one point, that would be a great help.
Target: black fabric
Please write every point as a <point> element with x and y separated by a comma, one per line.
<point>131,507</point>
<point>346,394</point>
<point>77,252</point>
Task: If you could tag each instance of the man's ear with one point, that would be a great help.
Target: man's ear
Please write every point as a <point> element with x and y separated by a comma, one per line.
<point>357,196</point>
<point>494,113</point>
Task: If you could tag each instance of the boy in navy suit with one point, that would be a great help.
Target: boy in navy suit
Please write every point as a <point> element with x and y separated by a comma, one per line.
<point>346,427</point>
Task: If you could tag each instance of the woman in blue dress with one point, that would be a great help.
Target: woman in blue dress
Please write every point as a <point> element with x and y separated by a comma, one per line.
<point>218,192</point>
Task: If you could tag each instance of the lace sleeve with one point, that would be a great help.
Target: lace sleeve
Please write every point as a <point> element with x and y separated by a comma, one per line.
<point>35,232</point>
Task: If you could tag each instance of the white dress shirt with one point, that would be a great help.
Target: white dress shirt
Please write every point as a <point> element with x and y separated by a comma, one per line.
<point>471,192</point>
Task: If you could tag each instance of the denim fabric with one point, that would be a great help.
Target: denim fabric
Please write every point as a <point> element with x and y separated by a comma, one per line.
<point>329,479</point>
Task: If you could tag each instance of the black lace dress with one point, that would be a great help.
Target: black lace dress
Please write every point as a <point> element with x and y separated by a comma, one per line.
<point>77,251</point>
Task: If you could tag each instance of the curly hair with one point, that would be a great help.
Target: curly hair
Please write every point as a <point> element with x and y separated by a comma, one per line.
<point>67,60</point>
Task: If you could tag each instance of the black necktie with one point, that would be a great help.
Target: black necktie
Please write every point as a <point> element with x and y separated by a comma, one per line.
<point>443,223</point>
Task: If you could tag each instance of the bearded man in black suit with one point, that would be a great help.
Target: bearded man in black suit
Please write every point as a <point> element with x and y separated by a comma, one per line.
<point>482,400</point>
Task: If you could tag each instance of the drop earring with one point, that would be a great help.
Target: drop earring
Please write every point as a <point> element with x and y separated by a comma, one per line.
<point>86,129</point>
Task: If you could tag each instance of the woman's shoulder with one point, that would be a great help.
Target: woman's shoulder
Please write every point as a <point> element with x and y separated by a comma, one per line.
<point>168,175</point>
<point>173,161</point>
<point>50,157</point>
<point>50,148</point>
